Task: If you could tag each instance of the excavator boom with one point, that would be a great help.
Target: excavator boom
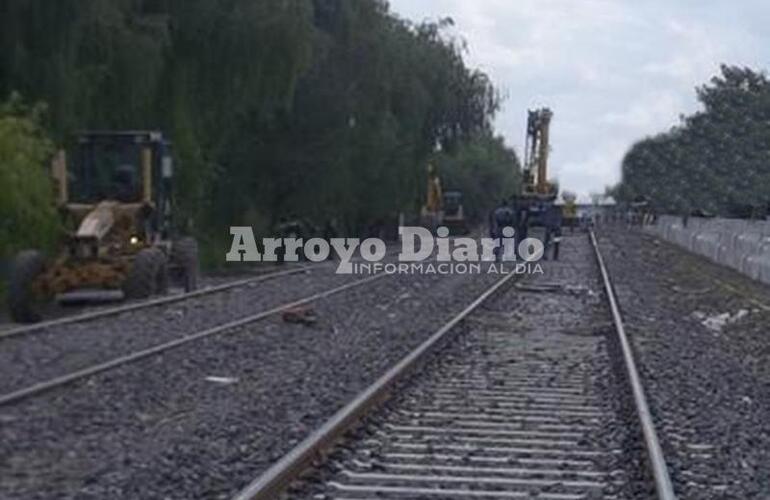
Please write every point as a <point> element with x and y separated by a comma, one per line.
<point>537,150</point>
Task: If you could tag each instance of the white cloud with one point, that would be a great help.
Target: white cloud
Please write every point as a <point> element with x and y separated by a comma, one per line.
<point>612,71</point>
<point>647,113</point>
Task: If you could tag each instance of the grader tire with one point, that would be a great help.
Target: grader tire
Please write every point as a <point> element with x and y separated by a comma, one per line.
<point>22,302</point>
<point>184,256</point>
<point>147,275</point>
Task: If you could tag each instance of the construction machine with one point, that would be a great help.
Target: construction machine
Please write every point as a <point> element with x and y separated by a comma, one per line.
<point>115,200</point>
<point>454,213</point>
<point>537,194</point>
<point>534,206</point>
<point>432,214</point>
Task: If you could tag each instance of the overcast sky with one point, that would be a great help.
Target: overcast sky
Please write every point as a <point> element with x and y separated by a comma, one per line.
<point>613,71</point>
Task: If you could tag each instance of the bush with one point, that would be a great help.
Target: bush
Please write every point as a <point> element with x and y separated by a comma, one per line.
<point>28,216</point>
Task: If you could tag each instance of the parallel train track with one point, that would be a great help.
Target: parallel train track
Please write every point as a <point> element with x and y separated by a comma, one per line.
<point>111,362</point>
<point>222,329</point>
<point>145,304</point>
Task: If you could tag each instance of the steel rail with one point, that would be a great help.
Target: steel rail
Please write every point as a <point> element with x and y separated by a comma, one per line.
<point>659,469</point>
<point>113,311</point>
<point>277,478</point>
<point>35,389</point>
<point>92,315</point>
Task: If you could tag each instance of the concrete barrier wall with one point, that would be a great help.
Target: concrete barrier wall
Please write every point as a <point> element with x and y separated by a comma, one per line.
<point>743,245</point>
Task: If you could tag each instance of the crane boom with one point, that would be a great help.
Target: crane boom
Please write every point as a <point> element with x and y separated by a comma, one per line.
<point>536,152</point>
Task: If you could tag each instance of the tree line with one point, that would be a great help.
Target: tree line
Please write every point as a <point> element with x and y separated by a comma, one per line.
<point>320,109</point>
<point>716,161</point>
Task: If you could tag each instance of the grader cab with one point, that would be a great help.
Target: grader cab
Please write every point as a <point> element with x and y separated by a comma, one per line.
<point>115,200</point>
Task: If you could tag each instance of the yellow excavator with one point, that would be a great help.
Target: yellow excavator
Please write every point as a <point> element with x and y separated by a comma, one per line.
<point>537,194</point>
<point>443,208</point>
<point>537,149</point>
<point>115,199</point>
<point>454,213</point>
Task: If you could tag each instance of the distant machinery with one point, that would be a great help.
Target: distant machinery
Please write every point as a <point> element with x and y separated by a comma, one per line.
<point>535,205</point>
<point>432,212</point>
<point>443,208</point>
<point>535,202</point>
<point>454,213</point>
<point>536,153</point>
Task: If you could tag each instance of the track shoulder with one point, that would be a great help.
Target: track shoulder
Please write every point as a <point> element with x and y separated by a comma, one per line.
<point>703,360</point>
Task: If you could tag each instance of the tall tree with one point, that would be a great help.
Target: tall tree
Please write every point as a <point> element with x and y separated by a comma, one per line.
<point>322,109</point>
<point>717,159</point>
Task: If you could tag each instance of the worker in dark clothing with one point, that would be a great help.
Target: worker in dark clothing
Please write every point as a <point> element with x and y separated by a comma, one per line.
<point>552,221</point>
<point>500,218</point>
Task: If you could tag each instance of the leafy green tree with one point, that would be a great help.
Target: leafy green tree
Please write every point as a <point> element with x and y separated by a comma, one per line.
<point>485,170</point>
<point>28,217</point>
<point>717,159</point>
<point>316,109</point>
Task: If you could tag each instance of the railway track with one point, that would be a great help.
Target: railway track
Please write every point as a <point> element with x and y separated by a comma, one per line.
<point>701,448</point>
<point>513,406</point>
<point>153,428</point>
<point>233,326</point>
<point>23,330</point>
<point>71,348</point>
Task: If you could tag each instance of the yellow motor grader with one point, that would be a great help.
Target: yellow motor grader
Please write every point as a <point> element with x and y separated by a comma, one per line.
<point>115,199</point>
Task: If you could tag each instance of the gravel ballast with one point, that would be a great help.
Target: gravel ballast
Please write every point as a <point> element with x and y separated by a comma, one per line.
<point>55,351</point>
<point>202,420</point>
<point>701,334</point>
<point>529,397</point>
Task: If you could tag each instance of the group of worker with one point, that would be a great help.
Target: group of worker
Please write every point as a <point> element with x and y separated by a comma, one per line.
<point>510,214</point>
